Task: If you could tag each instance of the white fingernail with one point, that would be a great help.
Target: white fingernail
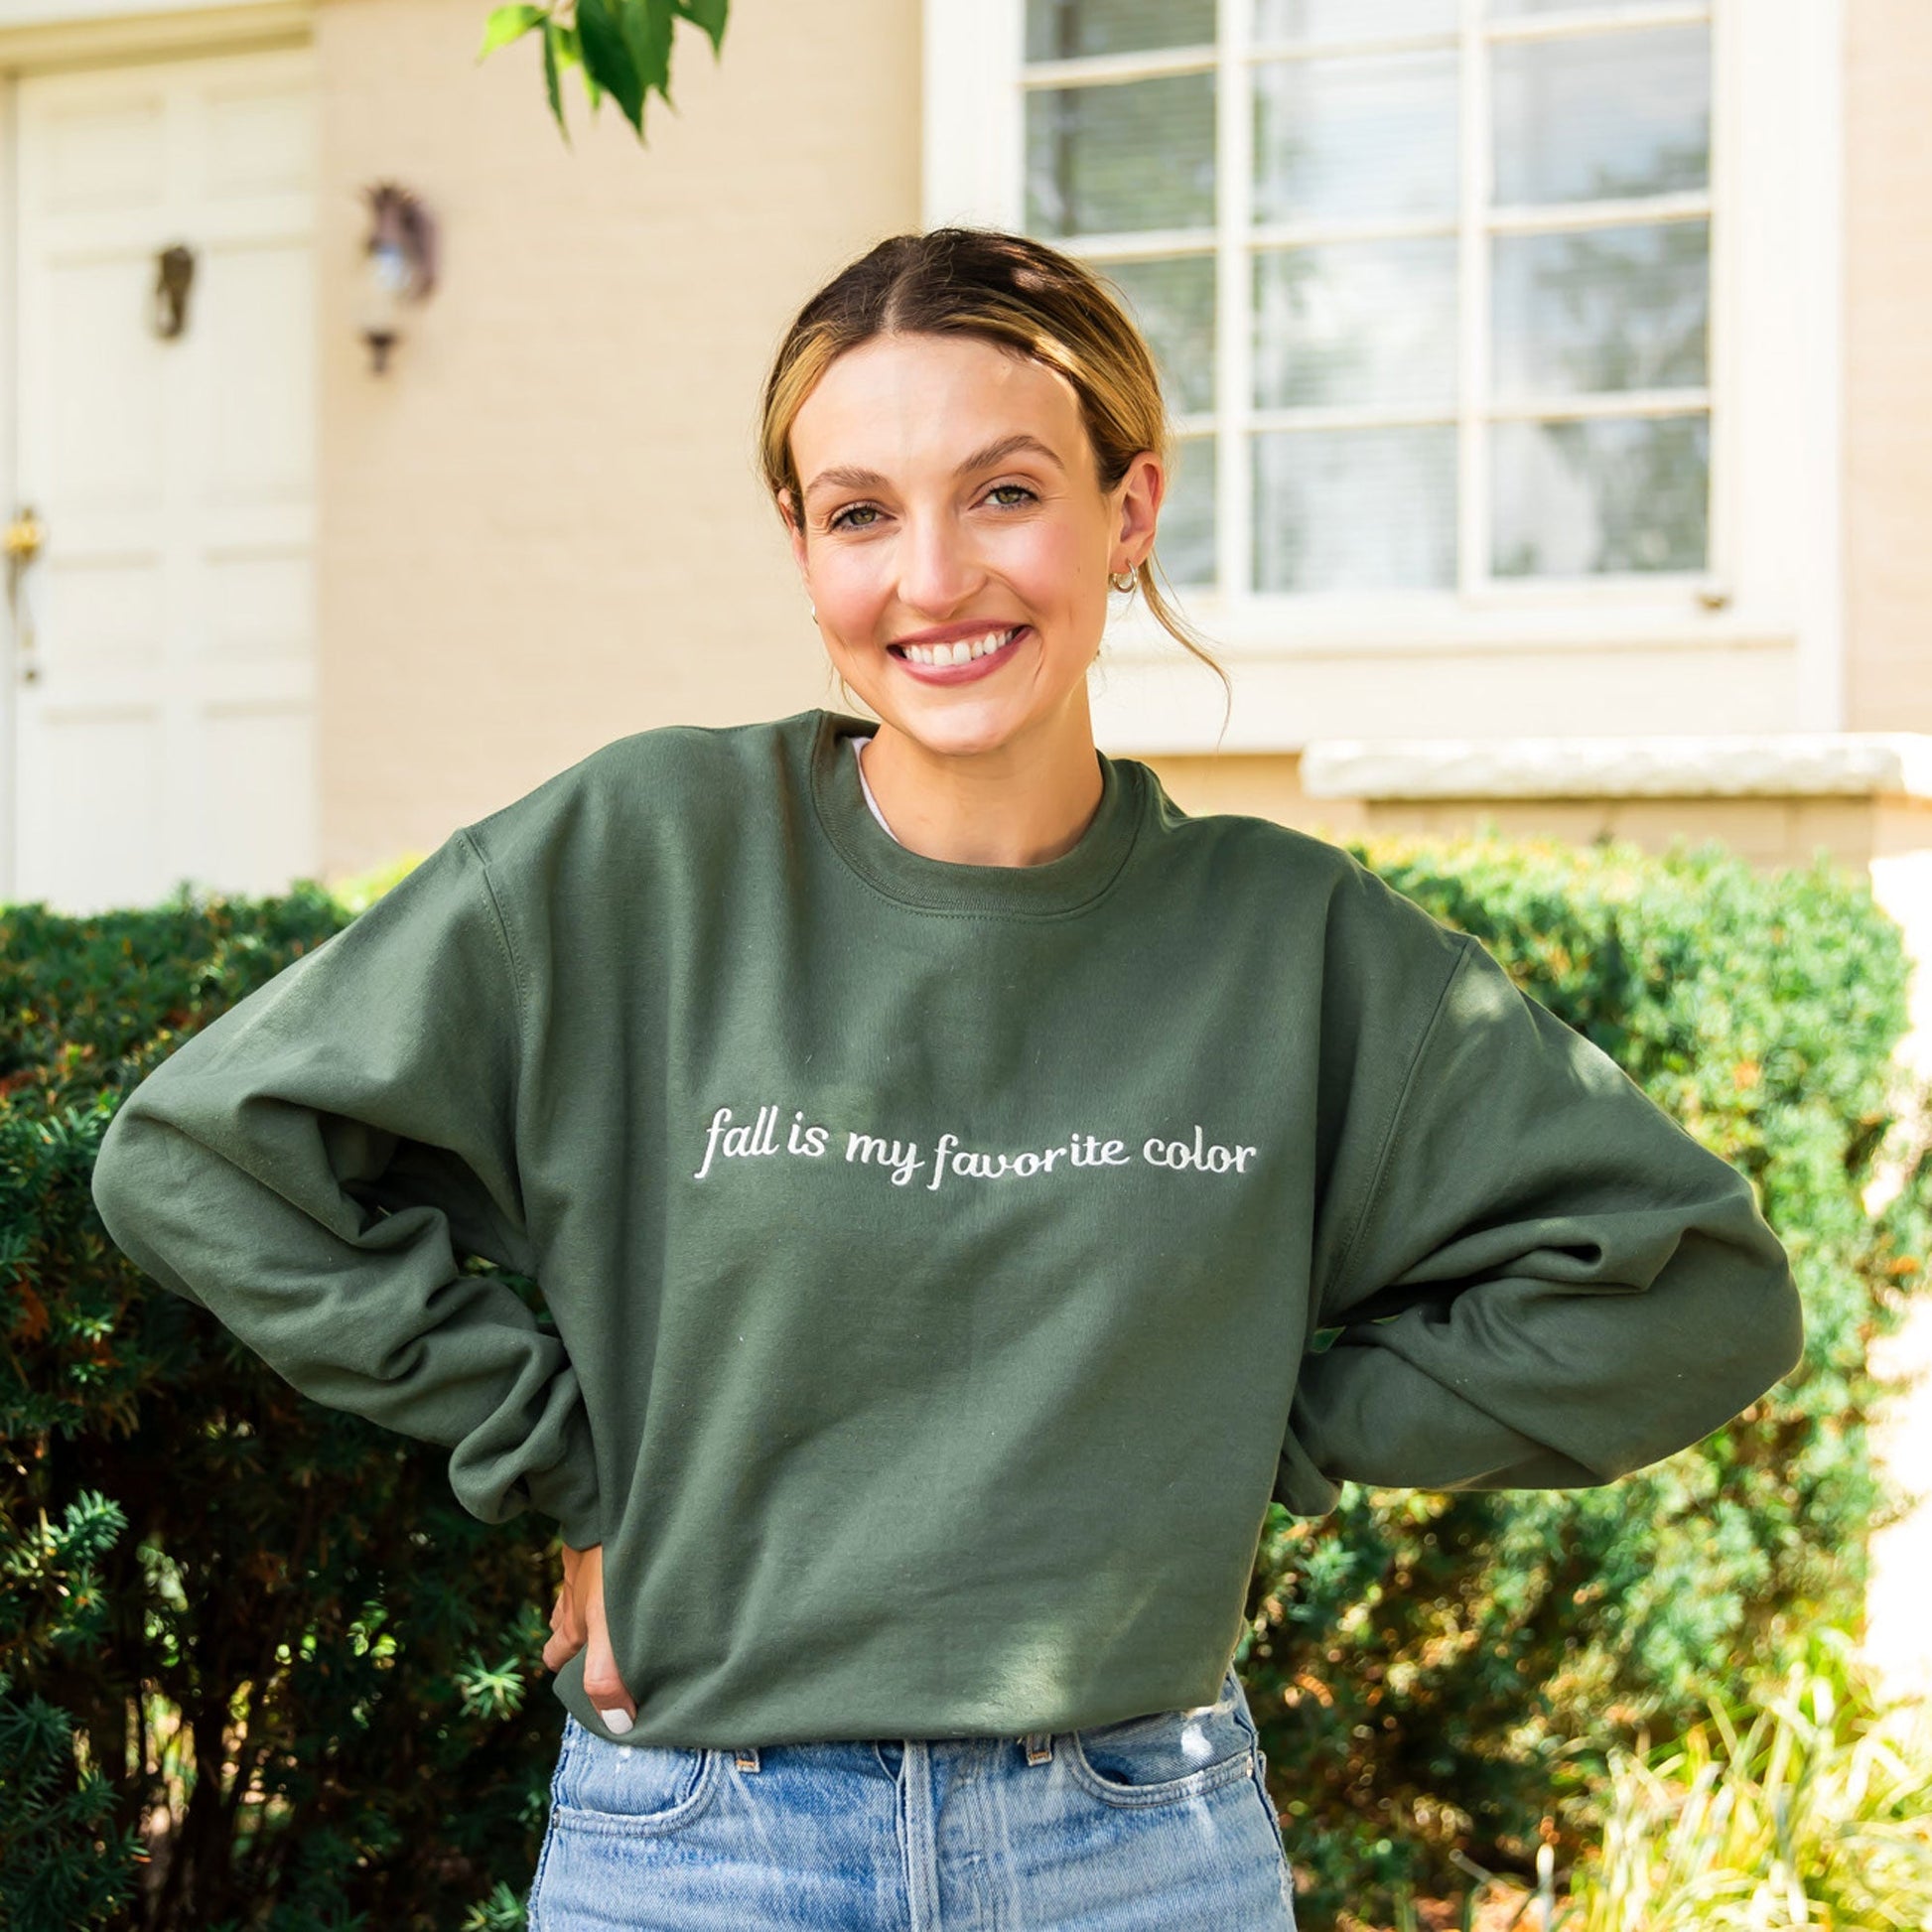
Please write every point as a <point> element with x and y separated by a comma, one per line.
<point>616,1720</point>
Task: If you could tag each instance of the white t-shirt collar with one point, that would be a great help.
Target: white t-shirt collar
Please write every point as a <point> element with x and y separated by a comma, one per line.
<point>867,789</point>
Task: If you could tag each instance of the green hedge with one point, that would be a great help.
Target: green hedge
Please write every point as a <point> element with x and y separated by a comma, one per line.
<point>198,1566</point>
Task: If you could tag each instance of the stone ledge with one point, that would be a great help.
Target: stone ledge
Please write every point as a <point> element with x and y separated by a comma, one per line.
<point>1783,764</point>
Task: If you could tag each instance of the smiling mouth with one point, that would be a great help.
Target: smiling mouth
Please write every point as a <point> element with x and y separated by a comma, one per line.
<point>962,650</point>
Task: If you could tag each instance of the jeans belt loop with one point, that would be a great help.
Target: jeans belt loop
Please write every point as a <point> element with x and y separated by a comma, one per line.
<point>748,1757</point>
<point>1040,1746</point>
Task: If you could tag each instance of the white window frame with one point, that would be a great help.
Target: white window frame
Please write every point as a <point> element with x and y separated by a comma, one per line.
<point>1773,559</point>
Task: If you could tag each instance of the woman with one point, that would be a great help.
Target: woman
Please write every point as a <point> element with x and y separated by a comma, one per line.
<point>939,1153</point>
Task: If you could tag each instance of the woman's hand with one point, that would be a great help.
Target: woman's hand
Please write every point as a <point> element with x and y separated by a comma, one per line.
<point>576,1619</point>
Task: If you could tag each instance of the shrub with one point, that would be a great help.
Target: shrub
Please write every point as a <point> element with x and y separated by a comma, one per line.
<point>309,1681</point>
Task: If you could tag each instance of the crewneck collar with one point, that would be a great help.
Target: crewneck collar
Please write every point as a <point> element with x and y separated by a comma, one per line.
<point>1069,884</point>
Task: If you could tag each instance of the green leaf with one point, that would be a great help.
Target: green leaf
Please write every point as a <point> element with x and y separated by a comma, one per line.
<point>551,34</point>
<point>710,15</point>
<point>647,27</point>
<point>574,50</point>
<point>607,58</point>
<point>506,25</point>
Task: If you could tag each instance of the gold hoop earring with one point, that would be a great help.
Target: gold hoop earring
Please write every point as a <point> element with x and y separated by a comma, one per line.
<point>1114,578</point>
<point>813,607</point>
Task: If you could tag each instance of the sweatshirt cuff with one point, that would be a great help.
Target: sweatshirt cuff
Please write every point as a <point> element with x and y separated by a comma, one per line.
<point>1363,1414</point>
<point>568,1489</point>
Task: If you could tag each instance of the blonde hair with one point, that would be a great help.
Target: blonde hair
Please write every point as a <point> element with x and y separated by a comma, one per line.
<point>1021,296</point>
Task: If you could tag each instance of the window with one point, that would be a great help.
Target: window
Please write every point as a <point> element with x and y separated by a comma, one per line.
<point>1430,281</point>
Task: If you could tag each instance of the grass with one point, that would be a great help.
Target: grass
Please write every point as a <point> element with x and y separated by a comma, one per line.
<point>1810,1805</point>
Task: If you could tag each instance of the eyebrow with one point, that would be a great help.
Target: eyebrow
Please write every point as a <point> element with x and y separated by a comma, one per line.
<point>849,476</point>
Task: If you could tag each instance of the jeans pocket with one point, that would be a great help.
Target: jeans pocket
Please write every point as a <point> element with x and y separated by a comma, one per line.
<point>604,1786</point>
<point>1165,1756</point>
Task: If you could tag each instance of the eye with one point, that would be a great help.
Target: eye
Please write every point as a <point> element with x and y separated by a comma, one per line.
<point>842,522</point>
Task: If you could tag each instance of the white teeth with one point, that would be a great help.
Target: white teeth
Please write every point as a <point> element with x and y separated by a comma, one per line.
<point>962,652</point>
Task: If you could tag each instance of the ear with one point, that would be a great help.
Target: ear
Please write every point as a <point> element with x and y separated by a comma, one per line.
<point>1142,491</point>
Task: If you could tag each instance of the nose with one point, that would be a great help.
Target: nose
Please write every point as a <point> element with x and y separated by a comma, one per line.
<point>938,572</point>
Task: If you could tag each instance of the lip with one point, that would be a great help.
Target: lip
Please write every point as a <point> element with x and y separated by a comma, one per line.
<point>968,674</point>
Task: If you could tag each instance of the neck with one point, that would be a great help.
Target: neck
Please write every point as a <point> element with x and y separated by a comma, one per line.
<point>1023,803</point>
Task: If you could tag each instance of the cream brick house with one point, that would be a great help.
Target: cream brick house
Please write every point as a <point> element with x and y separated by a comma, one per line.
<point>1554,384</point>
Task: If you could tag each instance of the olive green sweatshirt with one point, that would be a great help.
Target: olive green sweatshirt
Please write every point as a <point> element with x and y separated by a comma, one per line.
<point>936,1252</point>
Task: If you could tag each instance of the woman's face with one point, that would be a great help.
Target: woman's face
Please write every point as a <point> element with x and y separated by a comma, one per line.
<point>920,534</point>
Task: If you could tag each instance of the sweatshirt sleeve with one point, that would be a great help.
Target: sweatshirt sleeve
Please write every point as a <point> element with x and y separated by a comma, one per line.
<point>1550,1282</point>
<point>315,1163</point>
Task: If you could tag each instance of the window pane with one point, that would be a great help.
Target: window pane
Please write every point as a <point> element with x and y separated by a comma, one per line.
<point>1172,300</point>
<point>1355,509</point>
<point>1583,498</point>
<point>1350,20</point>
<point>1356,322</point>
<point>1184,529</point>
<point>1136,155</point>
<point>1623,308</point>
<point>1600,117</point>
<point>1366,136</point>
<point>1059,30</point>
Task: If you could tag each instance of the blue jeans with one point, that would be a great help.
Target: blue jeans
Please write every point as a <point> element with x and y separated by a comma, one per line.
<point>1152,1823</point>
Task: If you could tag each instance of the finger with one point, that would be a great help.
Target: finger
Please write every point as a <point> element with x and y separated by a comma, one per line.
<point>605,1689</point>
<point>602,1683</point>
<point>567,1632</point>
<point>557,1652</point>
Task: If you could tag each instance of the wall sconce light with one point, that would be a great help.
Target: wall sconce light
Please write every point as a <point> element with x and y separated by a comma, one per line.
<point>400,267</point>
